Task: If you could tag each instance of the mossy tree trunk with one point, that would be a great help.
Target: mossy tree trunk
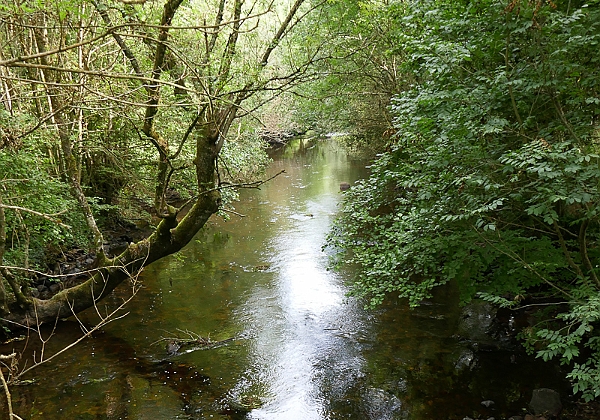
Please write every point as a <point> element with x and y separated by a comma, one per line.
<point>217,101</point>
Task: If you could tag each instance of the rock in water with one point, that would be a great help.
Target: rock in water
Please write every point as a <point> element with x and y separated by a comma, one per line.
<point>382,405</point>
<point>545,402</point>
<point>173,347</point>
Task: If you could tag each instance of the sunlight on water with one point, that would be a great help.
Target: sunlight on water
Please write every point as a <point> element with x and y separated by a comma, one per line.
<point>310,298</point>
<point>299,349</point>
<point>307,299</point>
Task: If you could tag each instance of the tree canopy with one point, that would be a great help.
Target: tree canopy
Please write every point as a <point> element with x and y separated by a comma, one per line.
<point>491,178</point>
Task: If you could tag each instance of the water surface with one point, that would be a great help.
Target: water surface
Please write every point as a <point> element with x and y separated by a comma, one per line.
<point>302,350</point>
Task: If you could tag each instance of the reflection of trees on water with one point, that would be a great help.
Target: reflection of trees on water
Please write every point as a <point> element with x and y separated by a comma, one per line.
<point>417,357</point>
<point>107,373</point>
<point>403,353</point>
<point>358,366</point>
<point>394,365</point>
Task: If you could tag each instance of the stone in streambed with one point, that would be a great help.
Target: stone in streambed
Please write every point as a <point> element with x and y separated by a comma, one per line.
<point>545,402</point>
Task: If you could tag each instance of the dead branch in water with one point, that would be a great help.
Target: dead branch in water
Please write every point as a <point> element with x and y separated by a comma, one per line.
<point>176,345</point>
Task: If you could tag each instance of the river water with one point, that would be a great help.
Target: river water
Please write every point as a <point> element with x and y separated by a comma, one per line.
<point>302,350</point>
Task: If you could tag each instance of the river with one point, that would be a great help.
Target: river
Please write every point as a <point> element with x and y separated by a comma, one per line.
<point>302,350</point>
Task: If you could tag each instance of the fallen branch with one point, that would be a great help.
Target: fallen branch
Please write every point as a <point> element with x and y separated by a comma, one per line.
<point>178,345</point>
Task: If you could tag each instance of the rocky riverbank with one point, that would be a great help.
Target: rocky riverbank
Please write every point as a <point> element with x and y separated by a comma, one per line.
<point>67,269</point>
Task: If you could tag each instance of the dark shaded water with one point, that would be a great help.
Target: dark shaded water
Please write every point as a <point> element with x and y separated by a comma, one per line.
<point>302,350</point>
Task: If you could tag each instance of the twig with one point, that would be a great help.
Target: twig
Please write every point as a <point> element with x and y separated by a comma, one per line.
<point>49,217</point>
<point>194,341</point>
<point>90,271</point>
<point>8,356</point>
<point>11,415</point>
<point>518,259</point>
<point>251,185</point>
<point>583,252</point>
<point>566,252</point>
<point>232,212</point>
<point>104,321</point>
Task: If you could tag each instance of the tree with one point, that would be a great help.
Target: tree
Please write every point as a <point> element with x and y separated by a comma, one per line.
<point>491,180</point>
<point>355,71</point>
<point>106,94</point>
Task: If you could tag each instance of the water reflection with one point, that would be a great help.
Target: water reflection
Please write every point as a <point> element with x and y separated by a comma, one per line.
<point>303,350</point>
<point>300,330</point>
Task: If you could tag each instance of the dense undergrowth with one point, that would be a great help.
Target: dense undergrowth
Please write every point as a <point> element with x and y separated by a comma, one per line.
<point>491,178</point>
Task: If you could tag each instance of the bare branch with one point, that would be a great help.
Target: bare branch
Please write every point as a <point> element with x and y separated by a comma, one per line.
<point>109,31</point>
<point>249,185</point>
<point>103,322</point>
<point>109,75</point>
<point>281,32</point>
<point>11,415</point>
<point>232,212</point>
<point>49,217</point>
<point>515,257</point>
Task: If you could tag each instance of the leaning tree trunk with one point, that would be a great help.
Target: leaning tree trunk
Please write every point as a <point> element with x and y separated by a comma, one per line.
<point>208,129</point>
<point>169,237</point>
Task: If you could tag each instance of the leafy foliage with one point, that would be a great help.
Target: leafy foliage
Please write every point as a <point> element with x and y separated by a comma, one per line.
<point>492,177</point>
<point>114,109</point>
<point>355,71</point>
<point>25,183</point>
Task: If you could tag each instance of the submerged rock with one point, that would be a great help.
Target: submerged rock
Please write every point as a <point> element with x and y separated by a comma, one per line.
<point>478,324</point>
<point>245,403</point>
<point>344,186</point>
<point>545,402</point>
<point>475,321</point>
<point>466,360</point>
<point>383,405</point>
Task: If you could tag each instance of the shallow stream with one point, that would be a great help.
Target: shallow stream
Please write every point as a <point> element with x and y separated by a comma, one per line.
<point>302,350</point>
